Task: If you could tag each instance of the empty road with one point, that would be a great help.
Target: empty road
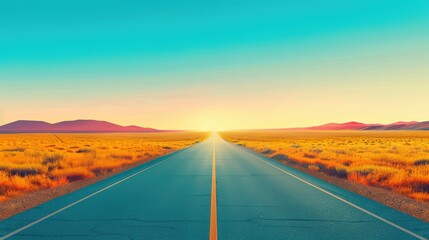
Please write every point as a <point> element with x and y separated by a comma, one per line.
<point>212,190</point>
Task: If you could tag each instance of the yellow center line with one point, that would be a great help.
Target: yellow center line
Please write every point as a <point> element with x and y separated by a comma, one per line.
<point>213,210</point>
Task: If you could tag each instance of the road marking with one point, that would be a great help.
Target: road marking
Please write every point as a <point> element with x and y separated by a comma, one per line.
<point>213,210</point>
<point>337,197</point>
<point>83,199</point>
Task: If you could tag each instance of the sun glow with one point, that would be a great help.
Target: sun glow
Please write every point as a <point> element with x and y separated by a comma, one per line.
<point>217,120</point>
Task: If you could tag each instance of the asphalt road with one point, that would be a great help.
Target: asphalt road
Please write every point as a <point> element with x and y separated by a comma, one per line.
<point>173,197</point>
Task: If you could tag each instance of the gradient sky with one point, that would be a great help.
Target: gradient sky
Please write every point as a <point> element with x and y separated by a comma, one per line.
<point>221,64</point>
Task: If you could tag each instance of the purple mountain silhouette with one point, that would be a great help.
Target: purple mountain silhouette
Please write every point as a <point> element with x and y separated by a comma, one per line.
<point>413,125</point>
<point>76,126</point>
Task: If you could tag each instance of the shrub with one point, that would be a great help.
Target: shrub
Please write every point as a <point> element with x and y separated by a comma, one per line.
<point>25,170</point>
<point>316,150</point>
<point>341,172</point>
<point>84,150</point>
<point>4,182</point>
<point>268,151</point>
<point>280,157</point>
<point>104,167</point>
<point>307,155</point>
<point>419,184</point>
<point>335,171</point>
<point>421,162</point>
<point>121,156</point>
<point>51,158</point>
<point>13,150</point>
<point>73,174</point>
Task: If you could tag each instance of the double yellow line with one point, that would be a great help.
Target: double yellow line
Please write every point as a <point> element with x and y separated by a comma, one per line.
<point>213,210</point>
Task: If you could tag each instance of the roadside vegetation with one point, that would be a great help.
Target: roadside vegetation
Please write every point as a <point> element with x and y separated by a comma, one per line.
<point>395,160</point>
<point>30,162</point>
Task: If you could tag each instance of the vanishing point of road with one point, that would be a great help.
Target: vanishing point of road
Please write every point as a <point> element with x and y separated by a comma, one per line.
<point>212,190</point>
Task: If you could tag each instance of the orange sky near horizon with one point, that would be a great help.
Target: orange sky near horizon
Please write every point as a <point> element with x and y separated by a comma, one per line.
<point>221,106</point>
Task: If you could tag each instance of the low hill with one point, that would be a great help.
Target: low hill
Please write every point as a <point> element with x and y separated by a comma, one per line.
<point>363,126</point>
<point>75,126</point>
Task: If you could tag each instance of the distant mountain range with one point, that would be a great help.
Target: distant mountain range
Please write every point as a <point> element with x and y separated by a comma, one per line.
<point>363,126</point>
<point>76,126</point>
<point>94,126</point>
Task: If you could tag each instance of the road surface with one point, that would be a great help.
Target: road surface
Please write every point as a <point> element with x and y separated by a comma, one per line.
<point>211,190</point>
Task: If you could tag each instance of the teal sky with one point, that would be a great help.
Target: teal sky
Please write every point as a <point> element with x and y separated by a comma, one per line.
<point>224,64</point>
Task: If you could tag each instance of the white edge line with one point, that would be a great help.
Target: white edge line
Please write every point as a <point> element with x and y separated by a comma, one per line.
<point>337,197</point>
<point>83,199</point>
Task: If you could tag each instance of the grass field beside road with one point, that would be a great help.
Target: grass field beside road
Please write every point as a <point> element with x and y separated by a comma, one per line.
<point>31,162</point>
<point>395,160</point>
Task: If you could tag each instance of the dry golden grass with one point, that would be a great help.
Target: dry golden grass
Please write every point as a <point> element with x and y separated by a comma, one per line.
<point>29,162</point>
<point>397,160</point>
